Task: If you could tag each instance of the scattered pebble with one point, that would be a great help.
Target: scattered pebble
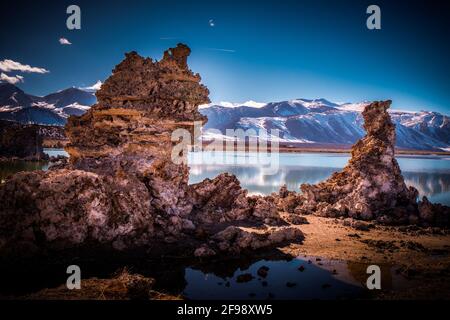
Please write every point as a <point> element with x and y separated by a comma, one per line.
<point>246,277</point>
<point>290,284</point>
<point>263,271</point>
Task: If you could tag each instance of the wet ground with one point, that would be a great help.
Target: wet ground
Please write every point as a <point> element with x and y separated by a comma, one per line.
<point>280,278</point>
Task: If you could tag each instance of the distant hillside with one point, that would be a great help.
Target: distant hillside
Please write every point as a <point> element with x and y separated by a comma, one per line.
<point>52,109</point>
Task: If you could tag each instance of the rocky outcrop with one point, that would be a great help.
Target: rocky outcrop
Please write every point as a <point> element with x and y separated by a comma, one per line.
<point>432,214</point>
<point>371,186</point>
<point>19,141</point>
<point>223,200</point>
<point>65,208</point>
<point>122,188</point>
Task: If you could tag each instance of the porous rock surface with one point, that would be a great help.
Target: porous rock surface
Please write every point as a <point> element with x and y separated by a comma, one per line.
<point>122,189</point>
<point>371,186</point>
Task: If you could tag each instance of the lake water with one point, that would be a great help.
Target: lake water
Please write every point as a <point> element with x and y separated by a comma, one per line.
<point>429,174</point>
<point>263,174</point>
<point>293,279</point>
<point>284,281</point>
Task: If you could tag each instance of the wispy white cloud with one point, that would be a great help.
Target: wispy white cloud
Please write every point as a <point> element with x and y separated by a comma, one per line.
<point>223,50</point>
<point>64,41</point>
<point>96,86</point>
<point>8,65</point>
<point>10,79</point>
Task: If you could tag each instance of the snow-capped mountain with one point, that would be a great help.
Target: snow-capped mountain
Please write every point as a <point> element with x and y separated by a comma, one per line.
<point>53,109</point>
<point>299,121</point>
<point>323,122</point>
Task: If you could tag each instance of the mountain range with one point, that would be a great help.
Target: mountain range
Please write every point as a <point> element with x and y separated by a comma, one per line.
<point>319,121</point>
<point>299,121</point>
<point>52,109</point>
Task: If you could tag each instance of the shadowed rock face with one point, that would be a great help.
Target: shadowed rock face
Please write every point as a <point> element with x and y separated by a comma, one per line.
<point>370,187</point>
<point>20,141</point>
<point>122,189</point>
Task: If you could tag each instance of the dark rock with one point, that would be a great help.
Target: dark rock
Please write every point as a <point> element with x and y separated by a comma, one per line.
<point>290,284</point>
<point>20,141</point>
<point>246,277</point>
<point>381,245</point>
<point>434,214</point>
<point>263,271</point>
<point>297,220</point>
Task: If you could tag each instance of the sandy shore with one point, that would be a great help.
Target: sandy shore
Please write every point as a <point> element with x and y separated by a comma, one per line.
<point>330,238</point>
<point>420,256</point>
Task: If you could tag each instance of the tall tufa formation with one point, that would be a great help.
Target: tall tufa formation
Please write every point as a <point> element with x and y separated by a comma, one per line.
<point>139,106</point>
<point>371,186</point>
<point>129,131</point>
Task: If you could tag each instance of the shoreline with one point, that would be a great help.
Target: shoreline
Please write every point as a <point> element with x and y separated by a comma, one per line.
<point>281,150</point>
<point>308,148</point>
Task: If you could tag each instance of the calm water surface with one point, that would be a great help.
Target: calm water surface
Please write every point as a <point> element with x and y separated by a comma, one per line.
<point>299,278</point>
<point>429,174</point>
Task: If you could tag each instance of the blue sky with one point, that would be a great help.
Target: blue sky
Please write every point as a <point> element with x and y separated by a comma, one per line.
<point>256,50</point>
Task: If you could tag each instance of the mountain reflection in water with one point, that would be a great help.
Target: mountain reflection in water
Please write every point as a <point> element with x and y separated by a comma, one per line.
<point>429,174</point>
